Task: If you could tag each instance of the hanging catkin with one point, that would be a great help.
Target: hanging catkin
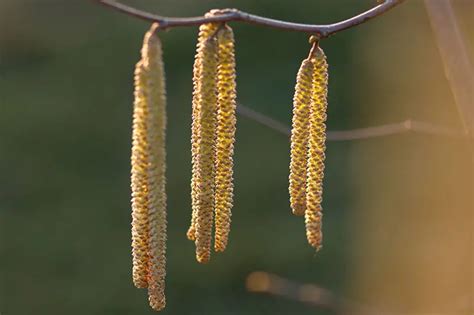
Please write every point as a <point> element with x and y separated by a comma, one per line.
<point>226,120</point>
<point>299,137</point>
<point>317,138</point>
<point>205,101</point>
<point>205,32</point>
<point>148,172</point>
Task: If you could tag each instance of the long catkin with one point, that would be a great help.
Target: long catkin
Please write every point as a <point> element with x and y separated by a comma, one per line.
<point>205,169</point>
<point>140,224</point>
<point>148,171</point>
<point>226,120</point>
<point>205,32</point>
<point>299,137</point>
<point>316,156</point>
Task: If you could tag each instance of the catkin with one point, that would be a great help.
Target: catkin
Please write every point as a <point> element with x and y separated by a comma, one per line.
<point>317,138</point>
<point>226,120</point>
<point>148,172</point>
<point>203,179</point>
<point>299,137</point>
<point>206,31</point>
<point>140,224</point>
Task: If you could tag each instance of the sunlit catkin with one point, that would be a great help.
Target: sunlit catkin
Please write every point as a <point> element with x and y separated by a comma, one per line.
<point>206,100</point>
<point>226,120</point>
<point>140,224</point>
<point>317,138</point>
<point>299,137</point>
<point>148,172</point>
<point>205,32</point>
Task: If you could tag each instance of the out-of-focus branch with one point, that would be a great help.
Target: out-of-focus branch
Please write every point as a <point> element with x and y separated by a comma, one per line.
<point>457,65</point>
<point>264,282</point>
<point>234,15</point>
<point>356,134</point>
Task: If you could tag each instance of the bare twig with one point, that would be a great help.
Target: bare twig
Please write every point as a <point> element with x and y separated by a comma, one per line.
<point>356,134</point>
<point>457,65</point>
<point>229,15</point>
<point>264,282</point>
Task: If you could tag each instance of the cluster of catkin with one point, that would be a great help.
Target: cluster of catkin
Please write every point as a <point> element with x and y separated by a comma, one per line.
<point>148,172</point>
<point>212,138</point>
<point>308,137</point>
<point>212,148</point>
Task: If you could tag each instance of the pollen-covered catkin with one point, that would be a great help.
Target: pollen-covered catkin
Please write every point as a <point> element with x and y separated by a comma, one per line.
<point>207,99</point>
<point>299,137</point>
<point>148,169</point>
<point>205,32</point>
<point>191,234</point>
<point>139,161</point>
<point>226,120</point>
<point>317,138</point>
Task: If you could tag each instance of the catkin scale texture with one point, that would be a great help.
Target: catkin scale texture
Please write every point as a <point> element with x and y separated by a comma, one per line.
<point>299,137</point>
<point>205,32</point>
<point>316,145</point>
<point>140,152</point>
<point>226,120</point>
<point>207,99</point>
<point>148,168</point>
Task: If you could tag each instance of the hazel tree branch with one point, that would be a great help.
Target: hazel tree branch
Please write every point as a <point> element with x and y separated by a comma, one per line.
<point>234,15</point>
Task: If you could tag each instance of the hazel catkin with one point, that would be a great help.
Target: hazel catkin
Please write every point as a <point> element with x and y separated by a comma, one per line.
<point>316,148</point>
<point>203,179</point>
<point>148,172</point>
<point>139,185</point>
<point>206,31</point>
<point>226,120</point>
<point>299,137</point>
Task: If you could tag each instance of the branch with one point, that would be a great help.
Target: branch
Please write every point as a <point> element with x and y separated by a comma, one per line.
<point>356,134</point>
<point>234,15</point>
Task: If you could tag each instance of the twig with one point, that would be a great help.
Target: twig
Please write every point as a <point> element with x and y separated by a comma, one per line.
<point>457,65</point>
<point>264,282</point>
<point>356,134</point>
<point>229,15</point>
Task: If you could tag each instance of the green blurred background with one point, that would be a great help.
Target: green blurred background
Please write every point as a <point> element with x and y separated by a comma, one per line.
<point>396,208</point>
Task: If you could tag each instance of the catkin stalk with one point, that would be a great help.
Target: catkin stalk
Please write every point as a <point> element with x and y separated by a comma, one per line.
<point>203,182</point>
<point>299,137</point>
<point>148,168</point>
<point>317,138</point>
<point>226,120</point>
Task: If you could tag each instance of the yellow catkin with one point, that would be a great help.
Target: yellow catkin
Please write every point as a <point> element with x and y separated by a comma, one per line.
<point>140,224</point>
<point>317,138</point>
<point>226,120</point>
<point>299,137</point>
<point>191,234</point>
<point>148,168</point>
<point>205,32</point>
<point>205,167</point>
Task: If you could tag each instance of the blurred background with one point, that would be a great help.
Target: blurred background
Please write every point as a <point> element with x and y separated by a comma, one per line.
<point>397,220</point>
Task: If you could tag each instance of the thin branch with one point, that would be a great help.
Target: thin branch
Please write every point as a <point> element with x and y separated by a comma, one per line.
<point>264,282</point>
<point>229,15</point>
<point>356,134</point>
<point>457,66</point>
